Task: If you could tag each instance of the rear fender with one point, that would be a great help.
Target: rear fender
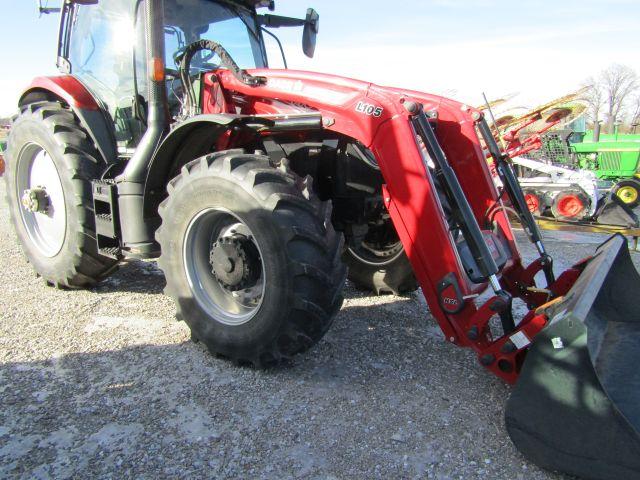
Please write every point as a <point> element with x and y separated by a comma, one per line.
<point>68,90</point>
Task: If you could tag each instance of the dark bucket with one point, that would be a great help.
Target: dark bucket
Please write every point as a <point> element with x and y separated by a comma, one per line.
<point>613,211</point>
<point>576,406</point>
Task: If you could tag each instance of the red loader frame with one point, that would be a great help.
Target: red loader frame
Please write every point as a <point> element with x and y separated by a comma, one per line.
<point>377,117</point>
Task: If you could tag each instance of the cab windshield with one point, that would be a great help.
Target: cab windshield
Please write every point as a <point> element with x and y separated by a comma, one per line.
<point>107,50</point>
<point>187,21</point>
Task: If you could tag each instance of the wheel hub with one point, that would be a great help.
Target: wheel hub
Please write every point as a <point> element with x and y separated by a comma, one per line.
<point>38,187</point>
<point>570,206</point>
<point>36,200</point>
<point>235,262</point>
<point>628,194</point>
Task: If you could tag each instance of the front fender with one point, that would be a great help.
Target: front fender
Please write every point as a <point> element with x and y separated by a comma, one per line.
<point>189,140</point>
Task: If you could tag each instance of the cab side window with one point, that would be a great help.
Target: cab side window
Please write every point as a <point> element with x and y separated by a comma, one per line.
<point>101,56</point>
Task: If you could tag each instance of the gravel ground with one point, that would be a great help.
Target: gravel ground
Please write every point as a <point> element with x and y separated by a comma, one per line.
<point>105,383</point>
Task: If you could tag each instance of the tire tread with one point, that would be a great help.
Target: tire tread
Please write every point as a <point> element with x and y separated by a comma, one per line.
<point>281,192</point>
<point>84,266</point>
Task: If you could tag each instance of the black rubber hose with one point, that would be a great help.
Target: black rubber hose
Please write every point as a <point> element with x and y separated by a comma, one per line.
<point>191,49</point>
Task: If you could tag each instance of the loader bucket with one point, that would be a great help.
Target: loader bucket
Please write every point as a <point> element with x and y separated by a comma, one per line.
<point>576,406</point>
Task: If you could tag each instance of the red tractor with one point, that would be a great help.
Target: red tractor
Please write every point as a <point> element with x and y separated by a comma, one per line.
<point>166,135</point>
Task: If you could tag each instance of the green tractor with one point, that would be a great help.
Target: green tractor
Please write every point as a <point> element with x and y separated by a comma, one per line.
<point>614,159</point>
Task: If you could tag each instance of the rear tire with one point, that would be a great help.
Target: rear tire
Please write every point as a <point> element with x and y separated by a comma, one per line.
<point>59,240</point>
<point>395,277</point>
<point>377,262</point>
<point>628,191</point>
<point>283,227</point>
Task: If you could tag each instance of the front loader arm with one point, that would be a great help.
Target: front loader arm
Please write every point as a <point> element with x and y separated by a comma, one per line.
<point>454,255</point>
<point>412,200</point>
<point>342,102</point>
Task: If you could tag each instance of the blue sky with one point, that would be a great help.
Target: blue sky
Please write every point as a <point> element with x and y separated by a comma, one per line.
<point>459,48</point>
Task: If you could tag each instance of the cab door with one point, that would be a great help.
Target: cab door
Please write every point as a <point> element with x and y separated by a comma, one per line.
<point>105,51</point>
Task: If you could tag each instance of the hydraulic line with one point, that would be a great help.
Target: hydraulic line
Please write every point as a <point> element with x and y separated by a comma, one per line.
<point>462,210</point>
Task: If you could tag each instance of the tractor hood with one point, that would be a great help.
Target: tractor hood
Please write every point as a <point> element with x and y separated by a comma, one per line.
<point>352,107</point>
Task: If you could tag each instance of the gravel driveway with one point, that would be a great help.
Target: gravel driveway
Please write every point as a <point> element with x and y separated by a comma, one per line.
<point>105,383</point>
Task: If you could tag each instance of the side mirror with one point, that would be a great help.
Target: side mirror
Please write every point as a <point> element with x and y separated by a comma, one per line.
<point>310,32</point>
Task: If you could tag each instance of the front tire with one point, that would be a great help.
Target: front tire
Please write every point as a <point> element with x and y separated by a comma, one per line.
<point>51,161</point>
<point>628,191</point>
<point>250,258</point>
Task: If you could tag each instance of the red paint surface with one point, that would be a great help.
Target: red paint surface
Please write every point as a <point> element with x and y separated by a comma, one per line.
<point>66,87</point>
<point>408,192</point>
<point>533,202</point>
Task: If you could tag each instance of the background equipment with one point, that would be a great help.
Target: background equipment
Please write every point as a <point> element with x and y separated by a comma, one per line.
<point>559,172</point>
<point>614,159</point>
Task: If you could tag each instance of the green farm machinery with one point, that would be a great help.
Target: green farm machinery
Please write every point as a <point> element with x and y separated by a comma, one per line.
<point>614,159</point>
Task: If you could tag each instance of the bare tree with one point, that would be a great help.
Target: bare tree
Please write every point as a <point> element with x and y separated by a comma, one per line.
<point>594,97</point>
<point>618,83</point>
<point>610,93</point>
<point>635,118</point>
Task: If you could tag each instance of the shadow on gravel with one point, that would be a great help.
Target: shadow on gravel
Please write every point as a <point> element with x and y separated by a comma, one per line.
<point>135,276</point>
<point>382,389</point>
<point>382,377</point>
<point>66,416</point>
<point>175,411</point>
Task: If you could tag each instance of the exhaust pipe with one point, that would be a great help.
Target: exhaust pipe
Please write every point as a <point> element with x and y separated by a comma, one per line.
<point>137,236</point>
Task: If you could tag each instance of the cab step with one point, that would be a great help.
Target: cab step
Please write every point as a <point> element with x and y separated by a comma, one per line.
<point>105,207</point>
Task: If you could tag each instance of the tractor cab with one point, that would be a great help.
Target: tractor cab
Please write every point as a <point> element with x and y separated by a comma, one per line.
<point>102,44</point>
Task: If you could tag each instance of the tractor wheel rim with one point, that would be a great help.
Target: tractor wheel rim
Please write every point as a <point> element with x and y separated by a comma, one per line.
<point>628,194</point>
<point>371,255</point>
<point>376,250</point>
<point>46,227</point>
<point>570,206</point>
<point>219,300</point>
<point>533,202</point>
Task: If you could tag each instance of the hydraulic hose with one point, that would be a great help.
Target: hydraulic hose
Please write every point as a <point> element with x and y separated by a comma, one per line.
<point>185,65</point>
